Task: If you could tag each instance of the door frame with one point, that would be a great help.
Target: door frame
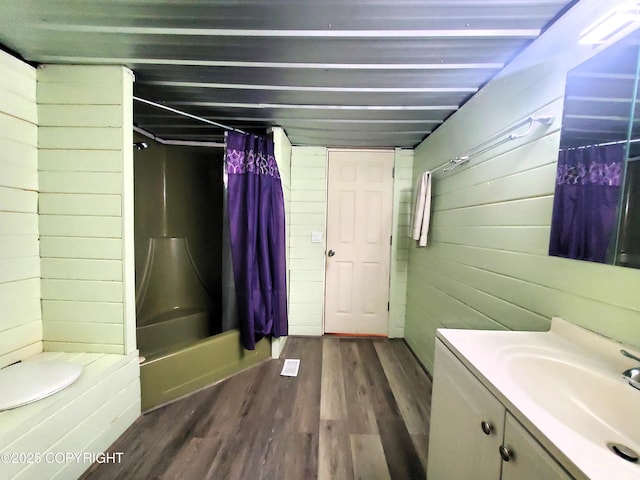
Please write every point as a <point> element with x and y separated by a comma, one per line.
<point>391,243</point>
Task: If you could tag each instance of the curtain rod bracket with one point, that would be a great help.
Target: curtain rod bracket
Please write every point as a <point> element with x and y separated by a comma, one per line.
<point>546,120</point>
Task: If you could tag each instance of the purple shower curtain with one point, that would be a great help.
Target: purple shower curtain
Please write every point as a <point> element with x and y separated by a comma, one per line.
<point>257,235</point>
<point>586,201</point>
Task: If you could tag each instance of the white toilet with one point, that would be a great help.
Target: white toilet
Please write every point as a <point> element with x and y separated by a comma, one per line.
<point>26,382</point>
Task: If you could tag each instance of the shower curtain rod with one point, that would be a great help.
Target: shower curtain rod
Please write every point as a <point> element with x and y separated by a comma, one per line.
<point>185,114</point>
<point>491,142</point>
<point>604,144</point>
<point>184,143</point>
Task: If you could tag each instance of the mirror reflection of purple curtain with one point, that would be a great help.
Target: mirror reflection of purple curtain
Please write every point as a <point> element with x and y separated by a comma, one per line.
<point>586,201</point>
<point>257,235</point>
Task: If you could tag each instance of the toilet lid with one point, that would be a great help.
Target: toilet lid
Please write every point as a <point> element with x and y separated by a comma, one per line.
<point>26,382</point>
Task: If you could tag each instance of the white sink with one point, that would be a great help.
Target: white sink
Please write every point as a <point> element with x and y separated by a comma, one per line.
<point>565,386</point>
<point>586,397</point>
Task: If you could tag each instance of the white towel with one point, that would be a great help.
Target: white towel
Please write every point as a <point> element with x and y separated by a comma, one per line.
<point>422,210</point>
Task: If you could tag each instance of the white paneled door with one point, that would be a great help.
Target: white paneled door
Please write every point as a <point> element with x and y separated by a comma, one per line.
<point>359,209</point>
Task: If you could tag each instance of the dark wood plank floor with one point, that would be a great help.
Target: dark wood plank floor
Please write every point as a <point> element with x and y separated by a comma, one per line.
<point>359,409</point>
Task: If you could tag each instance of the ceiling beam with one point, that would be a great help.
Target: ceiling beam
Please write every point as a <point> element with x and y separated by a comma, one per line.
<point>319,107</point>
<point>302,121</point>
<point>328,33</point>
<point>284,65</point>
<point>295,88</point>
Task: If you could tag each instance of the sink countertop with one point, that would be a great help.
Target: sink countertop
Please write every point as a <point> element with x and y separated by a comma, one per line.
<point>488,354</point>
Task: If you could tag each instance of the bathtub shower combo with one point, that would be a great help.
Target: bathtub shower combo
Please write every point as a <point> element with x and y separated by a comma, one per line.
<point>187,331</point>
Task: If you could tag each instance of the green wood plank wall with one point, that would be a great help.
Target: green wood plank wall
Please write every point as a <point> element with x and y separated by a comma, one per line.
<point>86,210</point>
<point>306,267</point>
<point>20,317</point>
<point>400,244</point>
<point>486,265</point>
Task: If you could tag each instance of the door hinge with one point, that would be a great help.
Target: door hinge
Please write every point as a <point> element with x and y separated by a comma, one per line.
<point>388,306</point>
<point>393,172</point>
<point>390,239</point>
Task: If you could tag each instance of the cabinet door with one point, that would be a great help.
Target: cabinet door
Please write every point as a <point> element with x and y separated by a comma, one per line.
<point>529,461</point>
<point>458,447</point>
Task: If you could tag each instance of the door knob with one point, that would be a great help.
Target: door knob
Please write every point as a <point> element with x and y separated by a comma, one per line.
<point>331,253</point>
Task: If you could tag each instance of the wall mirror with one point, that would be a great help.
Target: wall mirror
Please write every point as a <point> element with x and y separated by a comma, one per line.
<point>596,212</point>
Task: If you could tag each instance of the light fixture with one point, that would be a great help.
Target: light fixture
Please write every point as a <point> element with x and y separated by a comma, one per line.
<point>616,23</point>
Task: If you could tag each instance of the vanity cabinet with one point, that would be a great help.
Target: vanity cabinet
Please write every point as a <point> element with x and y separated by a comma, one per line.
<point>530,460</point>
<point>458,446</point>
<point>473,436</point>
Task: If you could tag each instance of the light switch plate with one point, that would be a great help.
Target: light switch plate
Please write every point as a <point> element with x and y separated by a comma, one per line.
<point>316,237</point>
